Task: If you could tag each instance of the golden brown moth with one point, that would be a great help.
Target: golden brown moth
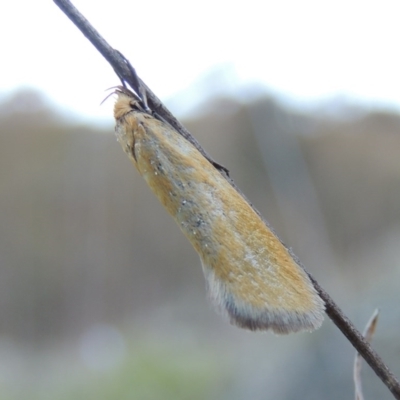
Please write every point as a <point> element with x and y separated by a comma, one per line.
<point>251,276</point>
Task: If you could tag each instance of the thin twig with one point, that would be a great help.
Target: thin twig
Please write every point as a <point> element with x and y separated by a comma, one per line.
<point>368,333</point>
<point>123,70</point>
<point>358,341</point>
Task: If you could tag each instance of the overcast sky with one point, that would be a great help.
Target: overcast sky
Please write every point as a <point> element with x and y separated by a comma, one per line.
<point>303,50</point>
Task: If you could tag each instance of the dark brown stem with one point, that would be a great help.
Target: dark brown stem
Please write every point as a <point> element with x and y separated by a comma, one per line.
<point>358,341</point>
<point>121,67</point>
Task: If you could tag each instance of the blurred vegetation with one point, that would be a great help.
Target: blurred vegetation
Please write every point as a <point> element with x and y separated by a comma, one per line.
<point>83,243</point>
<point>147,371</point>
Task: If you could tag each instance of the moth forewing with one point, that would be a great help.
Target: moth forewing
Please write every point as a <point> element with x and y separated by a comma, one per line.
<point>251,276</point>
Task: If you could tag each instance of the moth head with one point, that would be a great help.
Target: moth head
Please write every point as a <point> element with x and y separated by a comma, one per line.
<point>126,102</point>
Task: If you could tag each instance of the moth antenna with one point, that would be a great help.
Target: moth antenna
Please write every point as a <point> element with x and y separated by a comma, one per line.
<point>123,89</point>
<point>109,94</point>
<point>136,85</point>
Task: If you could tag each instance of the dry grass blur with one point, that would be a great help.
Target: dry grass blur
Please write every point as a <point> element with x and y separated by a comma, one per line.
<point>102,297</point>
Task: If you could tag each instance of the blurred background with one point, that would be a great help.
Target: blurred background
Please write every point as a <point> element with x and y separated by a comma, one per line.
<point>101,296</point>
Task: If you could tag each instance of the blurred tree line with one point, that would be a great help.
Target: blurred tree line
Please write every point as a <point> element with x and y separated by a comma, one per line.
<point>83,241</point>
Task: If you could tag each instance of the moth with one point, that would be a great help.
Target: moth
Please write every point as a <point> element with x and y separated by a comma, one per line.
<point>250,275</point>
